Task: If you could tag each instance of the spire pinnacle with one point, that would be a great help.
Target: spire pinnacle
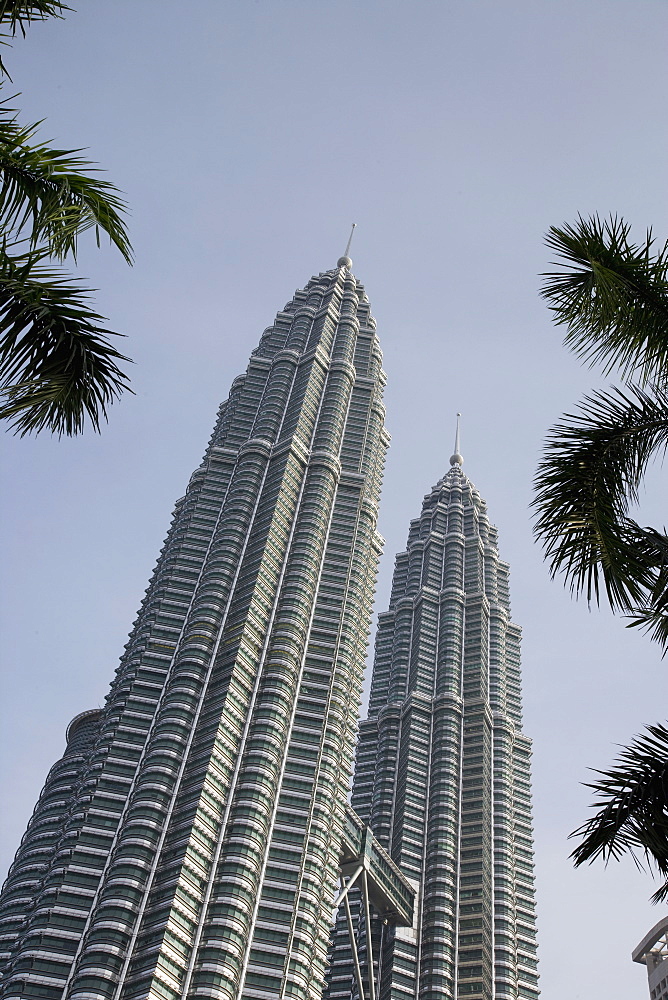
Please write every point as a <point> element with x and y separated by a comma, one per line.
<point>345,261</point>
<point>456,458</point>
<point>350,238</point>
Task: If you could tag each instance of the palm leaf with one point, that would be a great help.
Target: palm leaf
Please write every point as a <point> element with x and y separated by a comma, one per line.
<point>18,13</point>
<point>612,295</point>
<point>592,467</point>
<point>632,806</point>
<point>652,619</point>
<point>652,615</point>
<point>47,190</point>
<point>57,367</point>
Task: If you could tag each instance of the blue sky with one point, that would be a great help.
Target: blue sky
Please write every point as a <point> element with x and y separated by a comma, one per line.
<point>247,137</point>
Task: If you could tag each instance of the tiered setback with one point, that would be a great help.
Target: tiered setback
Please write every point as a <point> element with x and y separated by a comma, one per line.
<point>194,848</point>
<point>443,770</point>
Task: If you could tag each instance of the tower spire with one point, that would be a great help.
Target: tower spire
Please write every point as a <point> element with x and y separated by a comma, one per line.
<point>456,458</point>
<point>345,261</point>
<point>350,238</point>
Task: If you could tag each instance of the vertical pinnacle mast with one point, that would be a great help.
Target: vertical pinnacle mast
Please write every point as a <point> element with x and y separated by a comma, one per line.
<point>457,458</point>
<point>350,239</point>
<point>345,261</point>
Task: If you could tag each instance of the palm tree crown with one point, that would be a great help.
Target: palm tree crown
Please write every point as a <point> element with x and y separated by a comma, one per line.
<point>58,367</point>
<point>612,297</point>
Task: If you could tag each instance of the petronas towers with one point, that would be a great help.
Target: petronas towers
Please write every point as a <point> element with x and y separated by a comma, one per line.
<point>195,839</point>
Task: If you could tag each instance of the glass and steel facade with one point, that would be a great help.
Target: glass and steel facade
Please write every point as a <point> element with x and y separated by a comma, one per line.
<point>442,772</point>
<point>188,843</point>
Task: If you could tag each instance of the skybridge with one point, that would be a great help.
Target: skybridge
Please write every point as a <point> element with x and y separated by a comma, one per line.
<point>367,866</point>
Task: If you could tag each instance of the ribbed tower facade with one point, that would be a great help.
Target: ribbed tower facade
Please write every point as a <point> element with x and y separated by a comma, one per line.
<point>442,773</point>
<point>187,844</point>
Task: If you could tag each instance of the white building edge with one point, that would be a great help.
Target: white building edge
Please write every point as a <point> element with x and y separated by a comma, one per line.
<point>653,952</point>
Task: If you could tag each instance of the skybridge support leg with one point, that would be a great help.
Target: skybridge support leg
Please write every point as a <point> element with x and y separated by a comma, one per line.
<point>369,942</point>
<point>353,947</point>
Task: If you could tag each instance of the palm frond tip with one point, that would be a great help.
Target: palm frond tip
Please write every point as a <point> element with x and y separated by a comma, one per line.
<point>49,191</point>
<point>632,808</point>
<point>591,471</point>
<point>57,366</point>
<point>18,13</point>
<point>612,295</point>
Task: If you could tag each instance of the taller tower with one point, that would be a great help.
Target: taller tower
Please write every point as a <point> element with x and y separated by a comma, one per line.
<point>187,844</point>
<point>442,771</point>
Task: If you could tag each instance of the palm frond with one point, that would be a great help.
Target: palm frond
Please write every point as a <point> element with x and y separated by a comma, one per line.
<point>592,466</point>
<point>57,367</point>
<point>632,806</point>
<point>48,191</point>
<point>652,616</point>
<point>18,13</point>
<point>653,621</point>
<point>612,295</point>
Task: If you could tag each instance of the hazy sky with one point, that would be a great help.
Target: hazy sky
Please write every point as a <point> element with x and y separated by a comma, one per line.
<point>247,137</point>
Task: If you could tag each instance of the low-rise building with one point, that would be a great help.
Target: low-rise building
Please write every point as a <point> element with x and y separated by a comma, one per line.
<point>653,952</point>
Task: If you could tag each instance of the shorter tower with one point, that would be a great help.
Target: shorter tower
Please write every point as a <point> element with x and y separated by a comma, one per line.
<point>442,772</point>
